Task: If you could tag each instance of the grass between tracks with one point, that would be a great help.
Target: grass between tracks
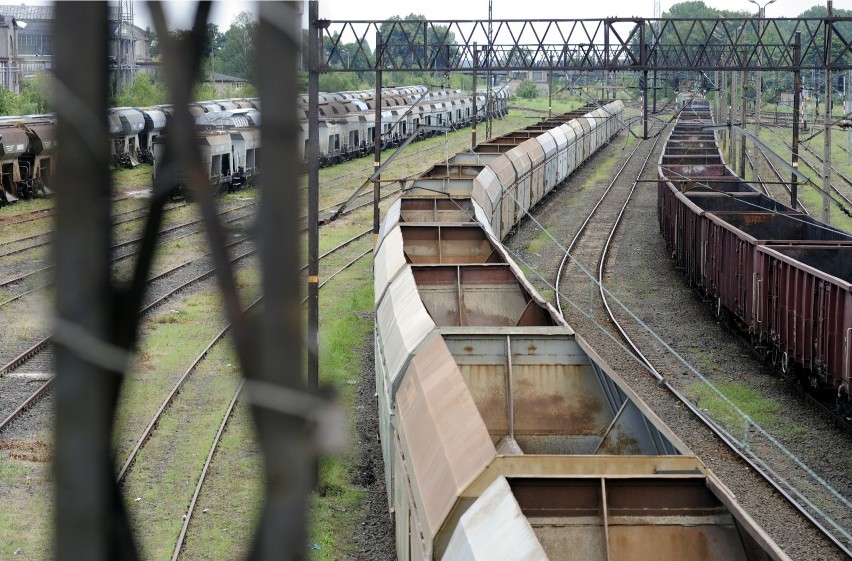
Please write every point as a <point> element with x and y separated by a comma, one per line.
<point>175,336</point>
<point>763,411</point>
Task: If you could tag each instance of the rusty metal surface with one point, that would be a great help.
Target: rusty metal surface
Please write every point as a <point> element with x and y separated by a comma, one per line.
<point>560,402</point>
<point>473,295</point>
<point>445,442</point>
<point>436,210</point>
<point>402,323</point>
<point>448,245</point>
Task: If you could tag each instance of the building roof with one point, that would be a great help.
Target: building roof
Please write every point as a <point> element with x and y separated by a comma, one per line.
<point>36,13</point>
<point>219,77</point>
<point>23,12</point>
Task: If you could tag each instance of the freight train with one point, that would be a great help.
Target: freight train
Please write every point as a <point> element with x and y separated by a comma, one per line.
<point>780,275</point>
<point>504,435</point>
<point>228,133</point>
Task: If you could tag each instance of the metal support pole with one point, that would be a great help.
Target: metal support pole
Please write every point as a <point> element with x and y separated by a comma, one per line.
<point>645,104</point>
<point>90,523</point>
<point>758,88</point>
<point>655,91</point>
<point>644,62</point>
<point>550,94</point>
<point>473,119</point>
<point>847,86</point>
<point>742,161</point>
<point>313,195</point>
<point>732,113</point>
<point>797,109</point>
<point>716,97</point>
<point>826,165</point>
<point>489,99</point>
<point>377,138</point>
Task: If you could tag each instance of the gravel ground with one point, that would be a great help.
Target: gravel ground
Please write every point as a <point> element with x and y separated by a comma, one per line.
<point>374,533</point>
<point>643,277</point>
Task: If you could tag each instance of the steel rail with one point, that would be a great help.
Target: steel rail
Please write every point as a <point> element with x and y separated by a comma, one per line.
<point>149,429</point>
<point>213,447</point>
<point>114,260</point>
<point>815,170</point>
<point>738,450</point>
<point>39,346</point>
<point>128,242</point>
<point>581,230</point>
<point>44,213</point>
<point>229,413</point>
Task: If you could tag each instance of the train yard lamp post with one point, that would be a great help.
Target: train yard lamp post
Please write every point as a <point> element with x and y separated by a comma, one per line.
<point>761,15</point>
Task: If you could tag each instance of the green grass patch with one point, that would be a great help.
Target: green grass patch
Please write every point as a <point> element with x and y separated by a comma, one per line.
<point>537,243</point>
<point>229,505</point>
<point>125,180</point>
<point>346,318</point>
<point>159,487</point>
<point>171,340</point>
<point>26,517</point>
<point>763,411</point>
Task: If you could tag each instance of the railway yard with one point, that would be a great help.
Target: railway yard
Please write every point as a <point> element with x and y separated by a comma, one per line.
<point>181,359</point>
<point>576,332</point>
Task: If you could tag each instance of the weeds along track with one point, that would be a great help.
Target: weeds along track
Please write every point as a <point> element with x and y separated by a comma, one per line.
<point>37,362</point>
<point>42,238</point>
<point>29,283</point>
<point>665,384</point>
<point>23,267</point>
<point>194,410</point>
<point>782,192</point>
<point>45,213</point>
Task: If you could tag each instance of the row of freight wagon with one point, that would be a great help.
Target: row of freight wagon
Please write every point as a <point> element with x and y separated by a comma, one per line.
<point>504,434</point>
<point>783,276</point>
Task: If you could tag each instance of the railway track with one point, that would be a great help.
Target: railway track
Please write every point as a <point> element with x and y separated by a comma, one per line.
<point>46,360</point>
<point>45,363</point>
<point>18,280</point>
<point>190,512</point>
<point>758,449</point>
<point>142,213</point>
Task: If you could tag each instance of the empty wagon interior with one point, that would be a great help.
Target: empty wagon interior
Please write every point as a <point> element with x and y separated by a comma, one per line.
<point>430,209</point>
<point>772,226</point>
<point>541,394</point>
<point>455,244</point>
<point>740,202</point>
<point>835,260</point>
<point>477,295</point>
<point>664,519</point>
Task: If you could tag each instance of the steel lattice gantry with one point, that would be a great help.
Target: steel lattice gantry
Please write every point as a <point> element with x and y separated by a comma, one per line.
<point>613,44</point>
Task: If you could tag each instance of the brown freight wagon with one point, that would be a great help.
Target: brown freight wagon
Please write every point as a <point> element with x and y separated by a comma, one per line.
<point>804,311</point>
<point>733,238</point>
<point>689,227</point>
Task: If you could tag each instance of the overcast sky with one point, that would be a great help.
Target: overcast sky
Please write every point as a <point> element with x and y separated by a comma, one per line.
<point>180,11</point>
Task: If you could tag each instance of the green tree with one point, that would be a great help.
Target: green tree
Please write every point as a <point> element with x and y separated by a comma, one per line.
<point>236,57</point>
<point>213,43</point>
<point>527,90</point>
<point>141,93</point>
<point>36,94</point>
